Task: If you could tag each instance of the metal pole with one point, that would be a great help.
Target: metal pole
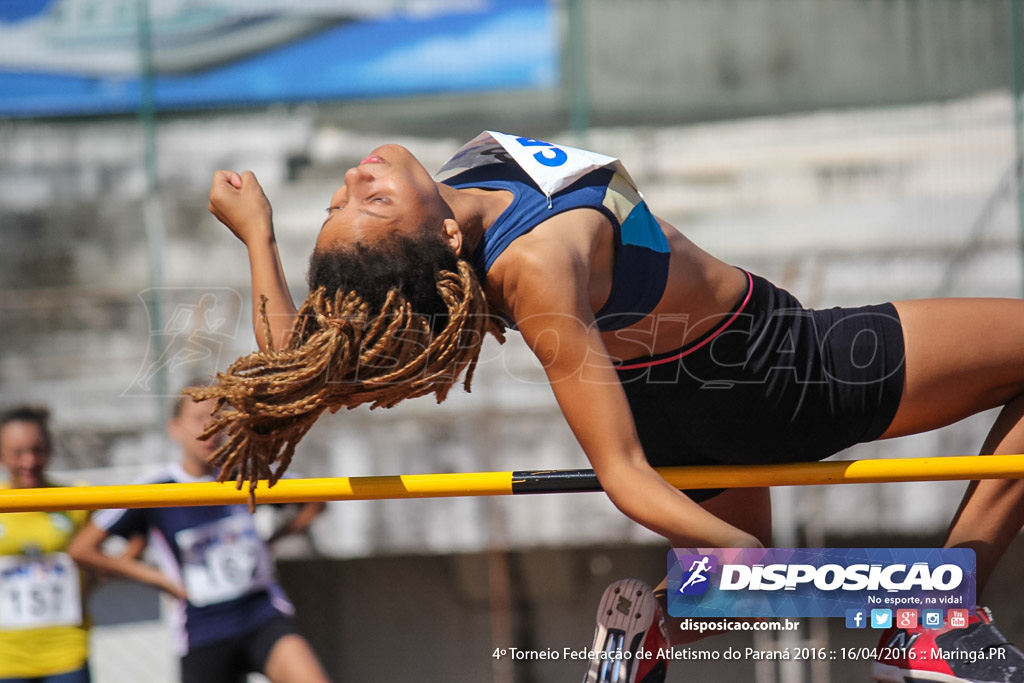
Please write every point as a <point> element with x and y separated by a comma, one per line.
<point>578,85</point>
<point>1018,120</point>
<point>152,208</point>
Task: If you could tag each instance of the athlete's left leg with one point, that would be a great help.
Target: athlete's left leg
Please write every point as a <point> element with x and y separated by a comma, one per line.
<point>292,660</point>
<point>964,356</point>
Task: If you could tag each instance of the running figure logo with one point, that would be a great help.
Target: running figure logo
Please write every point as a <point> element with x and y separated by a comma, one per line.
<point>194,329</point>
<point>695,580</point>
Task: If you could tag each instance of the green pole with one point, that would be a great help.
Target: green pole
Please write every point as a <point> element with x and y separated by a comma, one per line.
<point>1018,121</point>
<point>153,213</point>
<point>579,85</point>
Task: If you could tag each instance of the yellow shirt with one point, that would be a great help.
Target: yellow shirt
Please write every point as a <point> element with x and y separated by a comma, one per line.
<point>42,629</point>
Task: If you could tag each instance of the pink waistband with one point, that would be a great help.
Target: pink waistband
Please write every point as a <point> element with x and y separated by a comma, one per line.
<point>687,350</point>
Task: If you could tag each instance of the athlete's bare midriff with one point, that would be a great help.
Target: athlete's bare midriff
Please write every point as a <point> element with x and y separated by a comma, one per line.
<point>700,292</point>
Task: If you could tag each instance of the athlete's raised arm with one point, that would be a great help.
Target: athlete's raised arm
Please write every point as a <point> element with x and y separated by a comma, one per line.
<point>238,201</point>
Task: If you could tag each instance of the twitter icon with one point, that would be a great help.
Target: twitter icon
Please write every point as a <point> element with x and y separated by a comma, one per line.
<point>881,618</point>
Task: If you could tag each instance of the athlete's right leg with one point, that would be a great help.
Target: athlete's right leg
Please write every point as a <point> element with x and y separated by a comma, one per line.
<point>964,356</point>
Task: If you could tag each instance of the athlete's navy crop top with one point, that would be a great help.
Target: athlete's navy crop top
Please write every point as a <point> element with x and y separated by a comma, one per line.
<point>641,250</point>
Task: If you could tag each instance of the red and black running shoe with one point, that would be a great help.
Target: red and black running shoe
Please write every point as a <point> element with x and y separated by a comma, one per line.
<point>977,653</point>
<point>630,640</point>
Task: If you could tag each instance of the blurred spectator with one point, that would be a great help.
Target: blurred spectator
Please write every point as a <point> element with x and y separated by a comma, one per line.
<point>232,618</point>
<point>43,635</point>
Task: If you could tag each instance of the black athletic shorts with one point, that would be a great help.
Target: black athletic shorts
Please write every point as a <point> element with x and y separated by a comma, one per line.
<point>232,659</point>
<point>772,383</point>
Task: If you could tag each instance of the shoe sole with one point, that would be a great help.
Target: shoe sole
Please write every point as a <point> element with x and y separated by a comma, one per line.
<point>625,613</point>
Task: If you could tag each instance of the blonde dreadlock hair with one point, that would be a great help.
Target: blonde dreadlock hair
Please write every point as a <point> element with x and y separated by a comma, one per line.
<point>383,322</point>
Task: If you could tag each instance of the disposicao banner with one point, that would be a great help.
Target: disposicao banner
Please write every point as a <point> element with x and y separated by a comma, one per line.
<point>75,57</point>
<point>820,582</point>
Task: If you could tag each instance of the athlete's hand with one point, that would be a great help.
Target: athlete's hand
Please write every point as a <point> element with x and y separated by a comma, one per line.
<point>238,201</point>
<point>172,587</point>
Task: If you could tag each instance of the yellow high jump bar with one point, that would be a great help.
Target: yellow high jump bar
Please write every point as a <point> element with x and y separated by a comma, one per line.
<point>509,483</point>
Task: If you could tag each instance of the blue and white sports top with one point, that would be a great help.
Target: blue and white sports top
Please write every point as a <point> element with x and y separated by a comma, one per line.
<point>547,179</point>
<point>215,552</point>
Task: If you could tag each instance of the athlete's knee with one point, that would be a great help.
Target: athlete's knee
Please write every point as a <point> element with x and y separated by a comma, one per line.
<point>292,659</point>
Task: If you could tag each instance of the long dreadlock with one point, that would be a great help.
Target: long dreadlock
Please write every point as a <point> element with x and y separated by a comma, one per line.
<point>383,322</point>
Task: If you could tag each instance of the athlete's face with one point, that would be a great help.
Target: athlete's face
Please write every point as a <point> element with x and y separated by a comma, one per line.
<point>187,427</point>
<point>389,191</point>
<point>24,453</point>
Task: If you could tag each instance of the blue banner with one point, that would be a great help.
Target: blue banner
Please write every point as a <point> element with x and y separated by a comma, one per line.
<point>64,57</point>
<point>818,582</point>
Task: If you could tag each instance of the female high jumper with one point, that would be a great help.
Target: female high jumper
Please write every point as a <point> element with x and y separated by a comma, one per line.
<point>657,352</point>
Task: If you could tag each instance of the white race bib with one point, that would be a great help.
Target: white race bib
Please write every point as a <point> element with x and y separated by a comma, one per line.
<point>553,167</point>
<point>36,592</point>
<point>223,560</point>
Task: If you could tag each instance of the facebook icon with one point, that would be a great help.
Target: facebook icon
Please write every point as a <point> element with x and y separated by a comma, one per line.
<point>856,618</point>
